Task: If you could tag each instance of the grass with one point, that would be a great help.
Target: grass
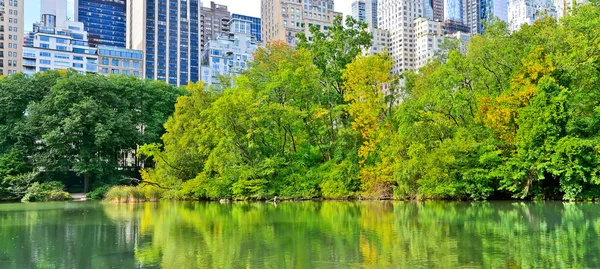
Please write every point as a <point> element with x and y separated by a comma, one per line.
<point>130,194</point>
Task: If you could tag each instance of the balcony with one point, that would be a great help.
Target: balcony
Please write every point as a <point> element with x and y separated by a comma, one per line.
<point>29,63</point>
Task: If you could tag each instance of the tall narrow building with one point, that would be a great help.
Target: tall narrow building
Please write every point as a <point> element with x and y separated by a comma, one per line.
<point>214,20</point>
<point>168,33</point>
<point>283,19</point>
<point>477,12</point>
<point>397,16</point>
<point>365,11</point>
<point>104,20</point>
<point>11,36</point>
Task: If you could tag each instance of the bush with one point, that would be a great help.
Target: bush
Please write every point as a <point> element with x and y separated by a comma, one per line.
<point>47,191</point>
<point>98,193</point>
<point>125,194</point>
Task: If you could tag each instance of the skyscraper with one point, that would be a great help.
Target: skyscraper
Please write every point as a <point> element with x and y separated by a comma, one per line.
<point>214,20</point>
<point>167,31</point>
<point>104,20</point>
<point>365,11</point>
<point>283,19</point>
<point>398,17</point>
<point>11,31</point>
<point>453,10</point>
<point>477,12</point>
<point>256,25</point>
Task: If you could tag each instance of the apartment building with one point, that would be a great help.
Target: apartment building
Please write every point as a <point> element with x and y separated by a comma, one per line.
<point>214,20</point>
<point>397,16</point>
<point>11,36</point>
<point>283,19</point>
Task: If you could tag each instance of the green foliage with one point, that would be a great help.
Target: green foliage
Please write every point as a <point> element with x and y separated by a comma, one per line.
<point>47,191</point>
<point>124,194</point>
<point>98,193</point>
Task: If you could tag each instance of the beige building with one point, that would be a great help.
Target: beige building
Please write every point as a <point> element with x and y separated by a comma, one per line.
<point>283,19</point>
<point>11,36</point>
<point>114,60</point>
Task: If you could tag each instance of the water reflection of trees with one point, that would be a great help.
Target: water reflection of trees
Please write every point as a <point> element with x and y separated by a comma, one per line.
<point>364,235</point>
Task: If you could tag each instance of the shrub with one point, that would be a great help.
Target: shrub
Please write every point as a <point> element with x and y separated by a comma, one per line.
<point>47,191</point>
<point>98,193</point>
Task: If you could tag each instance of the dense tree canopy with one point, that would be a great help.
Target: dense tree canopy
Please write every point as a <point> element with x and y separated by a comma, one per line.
<point>516,116</point>
<point>60,121</point>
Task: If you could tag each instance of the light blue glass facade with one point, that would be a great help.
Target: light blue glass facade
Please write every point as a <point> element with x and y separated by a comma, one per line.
<point>104,20</point>
<point>256,27</point>
<point>453,10</point>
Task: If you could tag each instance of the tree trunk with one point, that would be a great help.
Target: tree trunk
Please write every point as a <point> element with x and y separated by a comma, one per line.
<point>86,183</point>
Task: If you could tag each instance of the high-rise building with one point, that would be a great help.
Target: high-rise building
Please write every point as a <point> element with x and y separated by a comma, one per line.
<point>256,26</point>
<point>430,35</point>
<point>522,12</point>
<point>453,10</point>
<point>477,12</point>
<point>213,21</point>
<point>380,42</point>
<point>11,33</point>
<point>283,19</point>
<point>168,33</point>
<point>104,20</point>
<point>397,16</point>
<point>58,43</point>
<point>228,54</point>
<point>437,8</point>
<point>365,11</point>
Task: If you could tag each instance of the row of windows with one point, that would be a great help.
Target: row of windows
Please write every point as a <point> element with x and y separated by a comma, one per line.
<point>117,71</point>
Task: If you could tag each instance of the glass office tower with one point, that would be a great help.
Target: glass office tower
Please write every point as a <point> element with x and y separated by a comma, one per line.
<point>104,20</point>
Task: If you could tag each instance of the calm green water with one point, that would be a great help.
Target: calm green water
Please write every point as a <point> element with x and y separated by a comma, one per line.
<point>300,235</point>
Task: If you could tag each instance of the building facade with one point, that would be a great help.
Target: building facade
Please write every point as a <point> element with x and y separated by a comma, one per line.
<point>431,34</point>
<point>397,16</point>
<point>58,43</point>
<point>521,12</point>
<point>214,20</point>
<point>283,19</point>
<point>477,12</point>
<point>365,11</point>
<point>167,32</point>
<point>11,36</point>
<point>115,60</point>
<point>256,27</point>
<point>453,10</point>
<point>104,20</point>
<point>228,55</point>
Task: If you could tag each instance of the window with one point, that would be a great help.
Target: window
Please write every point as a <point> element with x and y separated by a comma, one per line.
<point>105,70</point>
<point>61,56</point>
<point>136,64</point>
<point>126,64</point>
<point>115,62</point>
<point>61,47</point>
<point>45,54</point>
<point>61,41</point>
<point>104,61</point>
<point>77,58</point>
<point>78,65</point>
<point>115,71</point>
<point>44,45</point>
<point>45,61</point>
<point>136,73</point>
<point>125,72</point>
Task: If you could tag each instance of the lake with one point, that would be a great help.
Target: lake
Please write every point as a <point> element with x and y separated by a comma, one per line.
<point>330,234</point>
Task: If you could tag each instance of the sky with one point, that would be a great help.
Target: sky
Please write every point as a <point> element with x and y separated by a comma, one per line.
<point>245,7</point>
